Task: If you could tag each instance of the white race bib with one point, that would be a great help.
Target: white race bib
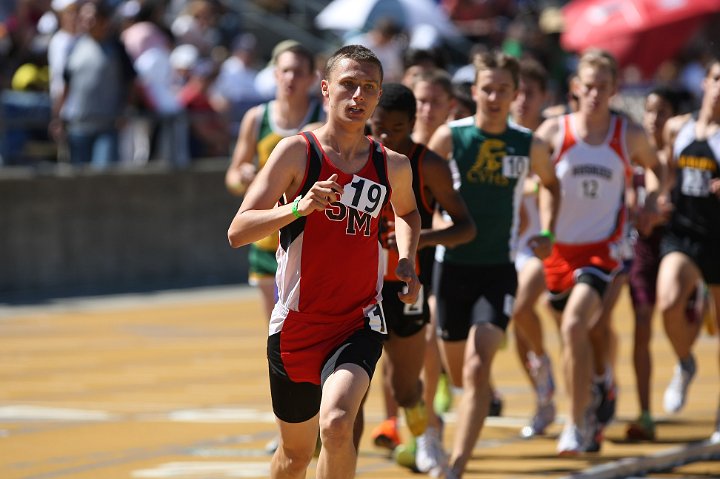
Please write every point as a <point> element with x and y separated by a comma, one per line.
<point>364,195</point>
<point>515,166</point>
<point>696,182</point>
<point>376,318</point>
<point>417,307</point>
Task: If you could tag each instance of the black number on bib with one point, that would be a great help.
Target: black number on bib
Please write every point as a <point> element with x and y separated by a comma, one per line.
<point>590,188</point>
<point>364,195</point>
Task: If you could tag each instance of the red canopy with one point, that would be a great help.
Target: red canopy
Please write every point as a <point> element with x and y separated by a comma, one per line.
<point>643,33</point>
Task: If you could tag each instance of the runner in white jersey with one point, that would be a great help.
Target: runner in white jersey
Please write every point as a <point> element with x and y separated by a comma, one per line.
<point>591,149</point>
<point>526,110</point>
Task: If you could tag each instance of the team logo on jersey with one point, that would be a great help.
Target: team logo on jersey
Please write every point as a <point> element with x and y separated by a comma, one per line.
<point>494,166</point>
<point>362,200</point>
<point>357,221</point>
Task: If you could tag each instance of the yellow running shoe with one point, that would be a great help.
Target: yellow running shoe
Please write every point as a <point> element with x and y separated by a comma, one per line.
<point>443,395</point>
<point>416,418</point>
<point>404,454</point>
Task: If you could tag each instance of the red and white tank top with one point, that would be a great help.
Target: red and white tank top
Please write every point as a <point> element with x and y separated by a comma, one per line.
<point>329,261</point>
<point>592,181</point>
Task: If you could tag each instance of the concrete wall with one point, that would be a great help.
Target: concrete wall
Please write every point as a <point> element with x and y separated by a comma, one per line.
<point>116,231</point>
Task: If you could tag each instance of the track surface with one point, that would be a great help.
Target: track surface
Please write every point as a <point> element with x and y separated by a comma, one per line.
<point>173,385</point>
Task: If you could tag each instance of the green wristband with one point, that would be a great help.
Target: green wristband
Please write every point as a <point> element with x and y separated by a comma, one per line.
<point>548,234</point>
<point>295,211</point>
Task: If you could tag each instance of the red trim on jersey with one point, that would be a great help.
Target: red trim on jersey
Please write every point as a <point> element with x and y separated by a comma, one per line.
<point>569,139</point>
<point>308,152</point>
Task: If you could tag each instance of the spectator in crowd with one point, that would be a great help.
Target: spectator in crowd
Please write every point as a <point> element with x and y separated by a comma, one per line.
<point>61,42</point>
<point>386,40</point>
<point>235,83</point>
<point>209,131</point>
<point>481,22</point>
<point>197,25</point>
<point>183,59</point>
<point>99,81</point>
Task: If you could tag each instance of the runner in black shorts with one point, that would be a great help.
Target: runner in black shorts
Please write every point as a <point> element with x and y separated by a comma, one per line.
<point>690,247</point>
<point>475,283</point>
<point>392,124</point>
<point>462,303</point>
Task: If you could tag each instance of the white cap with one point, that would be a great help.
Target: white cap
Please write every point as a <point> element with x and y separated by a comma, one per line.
<point>184,57</point>
<point>60,5</point>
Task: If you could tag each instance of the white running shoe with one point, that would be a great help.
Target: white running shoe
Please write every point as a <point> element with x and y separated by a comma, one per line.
<point>715,438</point>
<point>541,371</point>
<point>430,456</point>
<point>544,416</point>
<point>571,441</point>
<point>676,392</point>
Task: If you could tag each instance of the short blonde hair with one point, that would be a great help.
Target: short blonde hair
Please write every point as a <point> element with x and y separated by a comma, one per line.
<point>598,58</point>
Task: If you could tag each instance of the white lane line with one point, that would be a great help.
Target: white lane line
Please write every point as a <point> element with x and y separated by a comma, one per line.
<point>40,413</point>
<point>221,415</point>
<point>206,469</point>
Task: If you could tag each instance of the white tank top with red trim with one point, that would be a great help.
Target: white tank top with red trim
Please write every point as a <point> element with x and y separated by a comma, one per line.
<point>592,181</point>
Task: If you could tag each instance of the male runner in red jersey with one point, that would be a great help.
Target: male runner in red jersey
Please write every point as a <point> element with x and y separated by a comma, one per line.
<point>327,327</point>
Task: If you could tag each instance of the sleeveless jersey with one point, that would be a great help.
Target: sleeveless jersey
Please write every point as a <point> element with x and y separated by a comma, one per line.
<point>592,183</point>
<point>269,135</point>
<point>329,261</point>
<point>425,206</point>
<point>490,170</point>
<point>697,210</point>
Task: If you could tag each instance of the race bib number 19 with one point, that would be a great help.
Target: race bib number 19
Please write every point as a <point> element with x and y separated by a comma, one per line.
<point>364,195</point>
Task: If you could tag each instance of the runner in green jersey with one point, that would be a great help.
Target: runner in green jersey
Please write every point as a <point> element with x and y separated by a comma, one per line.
<point>475,282</point>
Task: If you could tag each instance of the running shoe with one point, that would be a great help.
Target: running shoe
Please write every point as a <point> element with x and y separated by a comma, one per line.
<point>404,454</point>
<point>541,371</point>
<point>416,418</point>
<point>443,395</point>
<point>272,445</point>
<point>607,395</point>
<point>643,429</point>
<point>571,441</point>
<point>715,438</point>
<point>386,434</point>
<point>596,434</point>
<point>544,416</point>
<point>496,405</point>
<point>594,429</point>
<point>430,457</point>
<point>676,392</point>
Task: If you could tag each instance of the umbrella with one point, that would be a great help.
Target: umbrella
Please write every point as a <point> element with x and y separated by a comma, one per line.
<point>643,33</point>
<point>349,15</point>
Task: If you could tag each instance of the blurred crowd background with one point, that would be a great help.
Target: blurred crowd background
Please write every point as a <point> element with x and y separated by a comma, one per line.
<point>135,82</point>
